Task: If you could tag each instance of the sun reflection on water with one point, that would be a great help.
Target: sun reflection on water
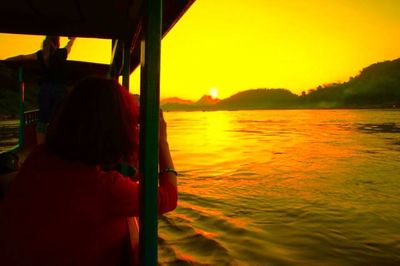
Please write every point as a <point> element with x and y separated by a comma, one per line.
<point>311,184</point>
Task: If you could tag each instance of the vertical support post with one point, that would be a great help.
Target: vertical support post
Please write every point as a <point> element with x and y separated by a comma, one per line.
<point>21,108</point>
<point>126,65</point>
<point>115,63</point>
<point>149,119</point>
<point>112,71</point>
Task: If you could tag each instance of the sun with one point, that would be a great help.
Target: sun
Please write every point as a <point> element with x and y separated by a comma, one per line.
<point>214,92</point>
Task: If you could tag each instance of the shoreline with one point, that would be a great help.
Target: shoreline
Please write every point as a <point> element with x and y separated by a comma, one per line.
<point>208,109</point>
<point>7,117</point>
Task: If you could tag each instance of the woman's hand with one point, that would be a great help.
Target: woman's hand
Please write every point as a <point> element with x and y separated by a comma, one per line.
<point>71,41</point>
<point>162,131</point>
<point>165,160</point>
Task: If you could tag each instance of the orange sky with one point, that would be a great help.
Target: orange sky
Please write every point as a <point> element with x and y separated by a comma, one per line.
<point>234,45</point>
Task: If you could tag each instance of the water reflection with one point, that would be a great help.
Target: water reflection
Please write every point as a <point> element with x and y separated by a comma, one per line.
<point>295,187</point>
<point>8,134</point>
<point>383,128</point>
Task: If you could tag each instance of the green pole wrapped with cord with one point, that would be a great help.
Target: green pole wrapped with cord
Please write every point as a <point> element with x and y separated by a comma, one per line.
<point>149,123</point>
<point>21,108</point>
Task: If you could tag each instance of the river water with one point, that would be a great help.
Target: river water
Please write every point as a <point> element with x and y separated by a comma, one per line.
<point>286,187</point>
<point>8,134</point>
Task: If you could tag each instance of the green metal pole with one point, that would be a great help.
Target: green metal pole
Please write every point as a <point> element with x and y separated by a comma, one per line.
<point>126,61</point>
<point>126,65</point>
<point>149,119</point>
<point>21,109</point>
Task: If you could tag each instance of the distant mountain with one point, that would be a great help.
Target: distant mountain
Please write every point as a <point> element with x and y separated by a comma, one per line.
<point>260,99</point>
<point>206,100</point>
<point>175,100</point>
<point>249,99</point>
<point>377,86</point>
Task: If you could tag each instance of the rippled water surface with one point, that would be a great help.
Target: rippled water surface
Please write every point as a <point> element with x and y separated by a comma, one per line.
<point>8,134</point>
<point>287,187</point>
<point>294,187</point>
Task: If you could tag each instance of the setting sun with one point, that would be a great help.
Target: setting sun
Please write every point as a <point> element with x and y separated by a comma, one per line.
<point>295,45</point>
<point>214,92</point>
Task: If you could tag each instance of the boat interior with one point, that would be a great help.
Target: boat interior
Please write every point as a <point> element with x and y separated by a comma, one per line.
<point>135,27</point>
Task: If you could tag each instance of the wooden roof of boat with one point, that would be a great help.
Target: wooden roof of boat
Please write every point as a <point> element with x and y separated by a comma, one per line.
<point>106,19</point>
<point>110,19</point>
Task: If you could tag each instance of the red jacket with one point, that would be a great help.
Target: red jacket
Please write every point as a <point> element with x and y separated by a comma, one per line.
<point>67,213</point>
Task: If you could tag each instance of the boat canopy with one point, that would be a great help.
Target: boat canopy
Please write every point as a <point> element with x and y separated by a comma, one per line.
<point>106,19</point>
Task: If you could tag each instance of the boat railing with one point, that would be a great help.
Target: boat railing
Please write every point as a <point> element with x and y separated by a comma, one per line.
<point>31,116</point>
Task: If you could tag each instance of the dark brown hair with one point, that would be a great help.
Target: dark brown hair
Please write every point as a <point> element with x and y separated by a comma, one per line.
<point>49,47</point>
<point>97,124</point>
<point>53,40</point>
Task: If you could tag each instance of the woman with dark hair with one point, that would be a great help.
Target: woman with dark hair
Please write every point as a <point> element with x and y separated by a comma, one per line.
<point>51,59</point>
<point>63,208</point>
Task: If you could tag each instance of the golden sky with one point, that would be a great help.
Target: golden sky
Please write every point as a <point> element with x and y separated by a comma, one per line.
<point>234,45</point>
